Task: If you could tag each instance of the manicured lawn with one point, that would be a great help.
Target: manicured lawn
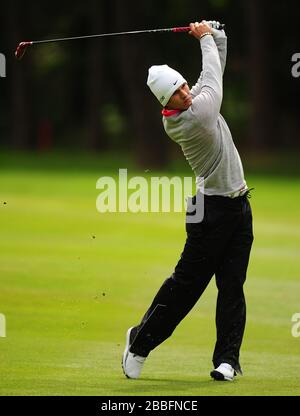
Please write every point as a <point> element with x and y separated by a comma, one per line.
<point>73,280</point>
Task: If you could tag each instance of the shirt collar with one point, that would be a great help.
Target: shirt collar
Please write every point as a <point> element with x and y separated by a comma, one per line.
<point>169,113</point>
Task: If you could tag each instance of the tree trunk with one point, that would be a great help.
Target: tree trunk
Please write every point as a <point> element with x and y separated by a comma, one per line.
<point>261,130</point>
<point>19,80</point>
<point>95,85</point>
<point>149,138</point>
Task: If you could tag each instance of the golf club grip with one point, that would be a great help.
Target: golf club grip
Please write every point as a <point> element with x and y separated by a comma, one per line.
<point>187,28</point>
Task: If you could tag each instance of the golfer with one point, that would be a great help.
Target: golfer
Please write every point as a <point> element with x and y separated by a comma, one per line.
<point>220,243</point>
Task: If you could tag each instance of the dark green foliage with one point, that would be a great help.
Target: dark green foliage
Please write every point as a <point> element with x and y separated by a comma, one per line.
<point>92,94</point>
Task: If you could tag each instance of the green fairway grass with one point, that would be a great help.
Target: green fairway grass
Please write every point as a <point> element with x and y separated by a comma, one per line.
<point>73,280</point>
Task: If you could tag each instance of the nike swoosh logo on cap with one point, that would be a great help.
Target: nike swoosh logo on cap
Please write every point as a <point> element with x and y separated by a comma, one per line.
<point>175,82</point>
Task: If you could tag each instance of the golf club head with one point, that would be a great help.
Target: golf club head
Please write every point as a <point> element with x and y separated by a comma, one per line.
<point>21,49</point>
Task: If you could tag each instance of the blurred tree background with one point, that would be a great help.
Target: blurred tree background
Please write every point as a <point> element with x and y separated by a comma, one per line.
<point>92,94</point>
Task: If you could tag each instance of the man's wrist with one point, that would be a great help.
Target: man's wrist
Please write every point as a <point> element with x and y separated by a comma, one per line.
<point>205,34</point>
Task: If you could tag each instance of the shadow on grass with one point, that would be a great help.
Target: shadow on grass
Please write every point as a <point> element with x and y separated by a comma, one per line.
<point>163,386</point>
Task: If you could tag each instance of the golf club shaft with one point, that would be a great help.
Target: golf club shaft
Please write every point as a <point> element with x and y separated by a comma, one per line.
<point>135,32</point>
<point>21,49</point>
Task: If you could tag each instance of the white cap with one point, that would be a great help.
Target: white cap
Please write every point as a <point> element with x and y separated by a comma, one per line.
<point>163,81</point>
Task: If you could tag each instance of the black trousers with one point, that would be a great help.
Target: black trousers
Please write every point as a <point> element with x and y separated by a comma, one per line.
<point>220,245</point>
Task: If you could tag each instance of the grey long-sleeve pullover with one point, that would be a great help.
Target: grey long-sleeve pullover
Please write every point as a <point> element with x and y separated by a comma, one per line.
<point>202,132</point>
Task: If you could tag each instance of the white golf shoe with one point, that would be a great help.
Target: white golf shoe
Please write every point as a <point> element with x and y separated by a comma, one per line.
<point>132,363</point>
<point>225,372</point>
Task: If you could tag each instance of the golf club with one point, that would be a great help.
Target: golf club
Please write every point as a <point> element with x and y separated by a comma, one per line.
<point>22,47</point>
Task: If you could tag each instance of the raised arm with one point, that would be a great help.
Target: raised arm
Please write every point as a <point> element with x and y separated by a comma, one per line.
<point>220,39</point>
<point>206,105</point>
